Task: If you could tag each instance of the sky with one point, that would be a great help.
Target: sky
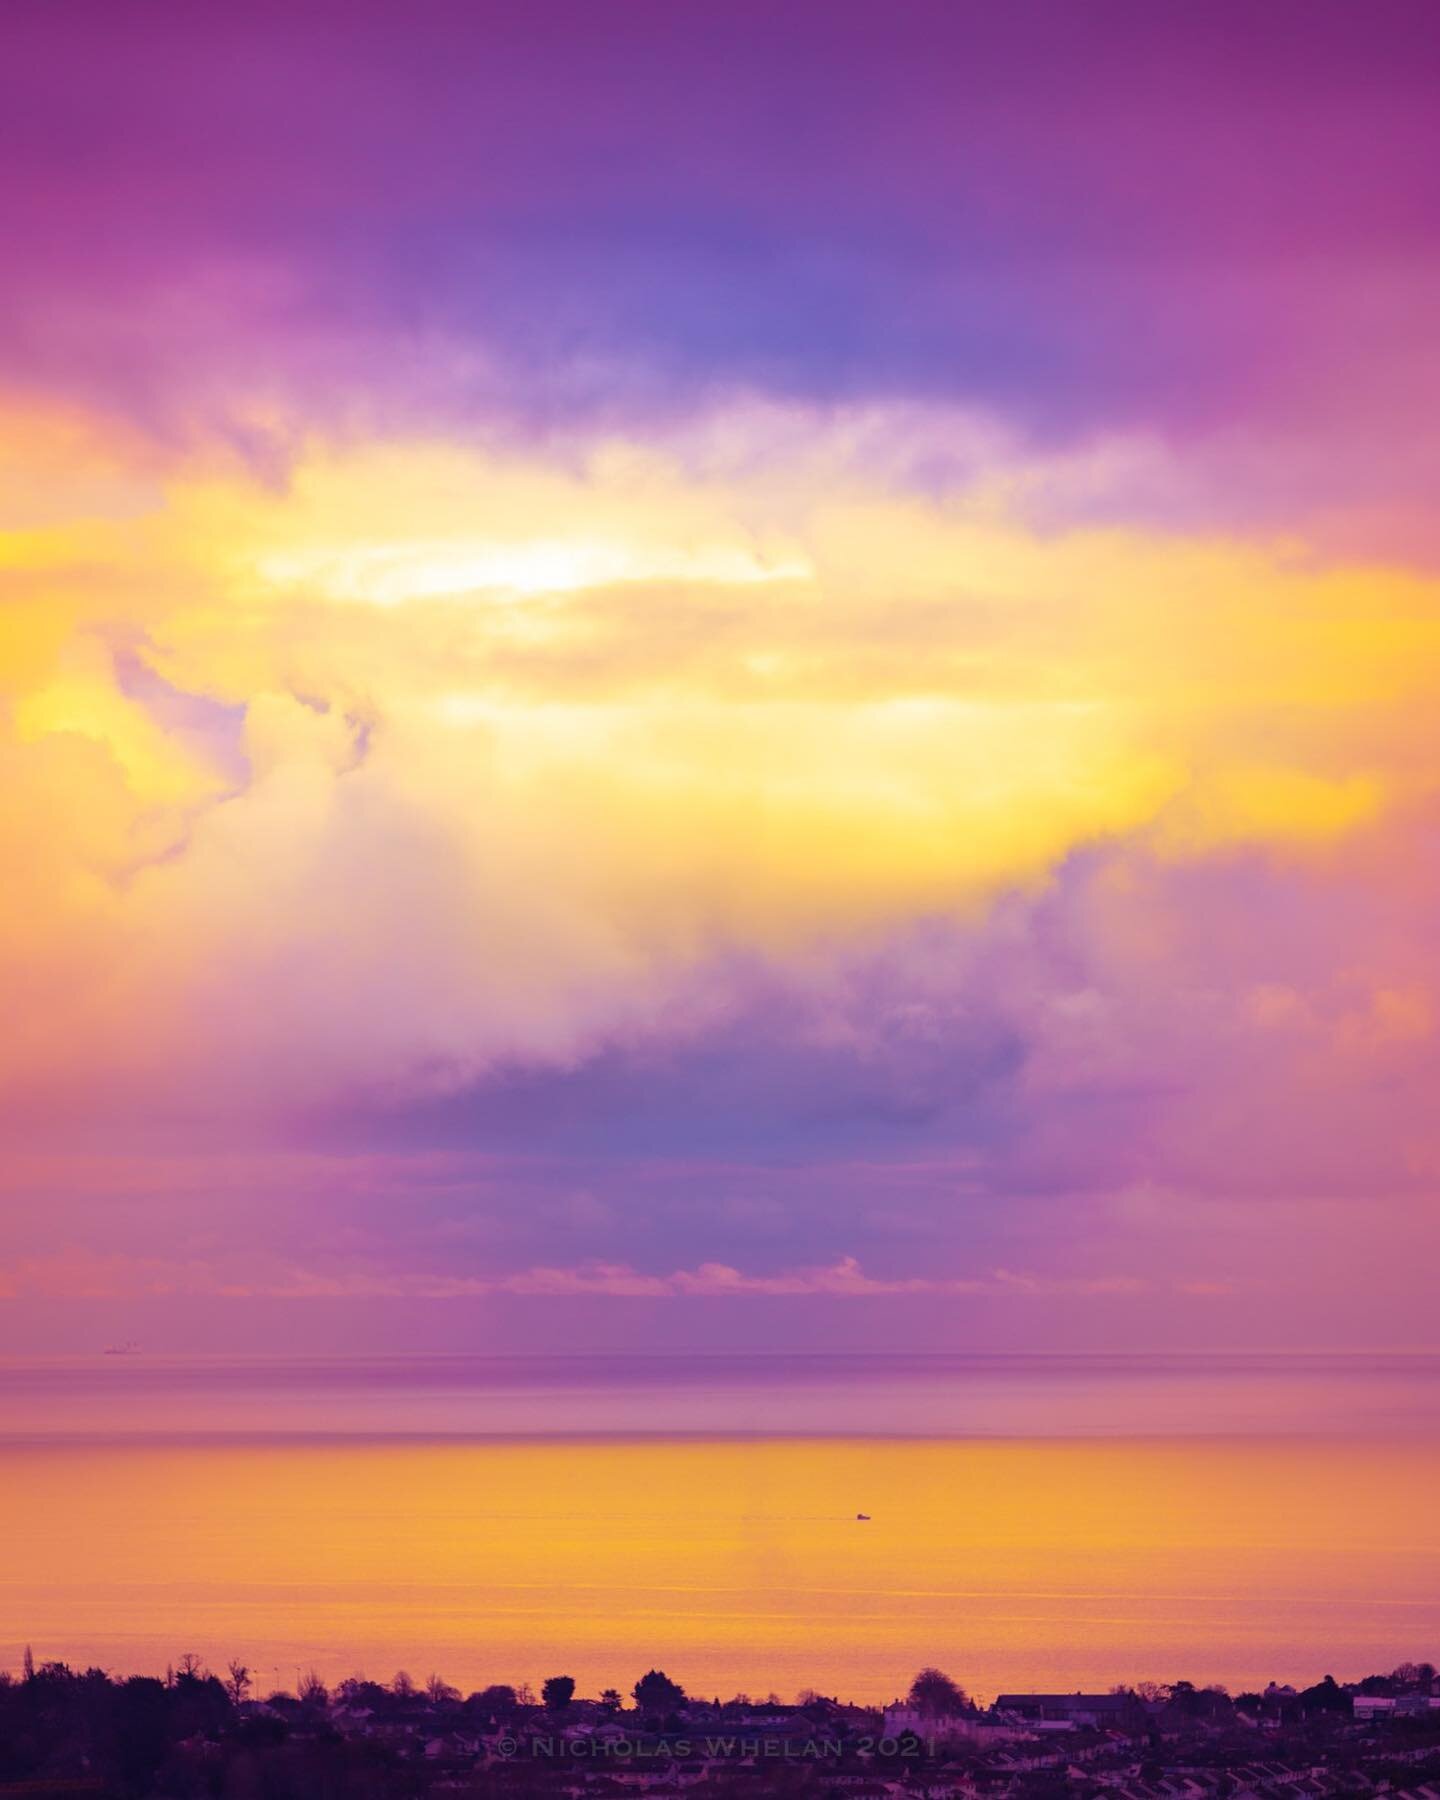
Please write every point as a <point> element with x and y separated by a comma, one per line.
<point>751,677</point>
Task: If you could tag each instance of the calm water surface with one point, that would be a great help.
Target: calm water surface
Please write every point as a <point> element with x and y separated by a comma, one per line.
<point>1034,1521</point>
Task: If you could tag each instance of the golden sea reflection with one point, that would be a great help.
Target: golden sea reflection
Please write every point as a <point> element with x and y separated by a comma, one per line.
<point>735,1565</point>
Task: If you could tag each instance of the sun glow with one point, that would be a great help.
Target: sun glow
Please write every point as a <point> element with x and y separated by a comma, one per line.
<point>389,574</point>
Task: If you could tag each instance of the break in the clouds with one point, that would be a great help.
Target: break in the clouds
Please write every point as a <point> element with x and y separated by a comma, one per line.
<point>675,663</point>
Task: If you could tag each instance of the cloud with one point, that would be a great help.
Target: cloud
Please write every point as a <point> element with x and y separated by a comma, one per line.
<point>276,844</point>
<point>78,1274</point>
<point>762,688</point>
<point>613,231</point>
<point>971,912</point>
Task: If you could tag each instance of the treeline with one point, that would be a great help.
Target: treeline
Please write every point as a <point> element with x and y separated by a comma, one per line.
<point>61,1724</point>
<point>198,1736</point>
<point>1177,1701</point>
<point>195,1735</point>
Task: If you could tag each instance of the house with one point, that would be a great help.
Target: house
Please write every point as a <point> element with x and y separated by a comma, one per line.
<point>934,1728</point>
<point>1104,1712</point>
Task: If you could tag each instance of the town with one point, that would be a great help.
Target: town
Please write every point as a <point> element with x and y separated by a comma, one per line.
<point>197,1734</point>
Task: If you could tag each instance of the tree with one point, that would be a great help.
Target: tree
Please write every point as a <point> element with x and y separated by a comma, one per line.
<point>1326,1696</point>
<point>1333,1697</point>
<point>368,1696</point>
<point>141,1730</point>
<point>28,1666</point>
<point>403,1686</point>
<point>499,1699</point>
<point>1187,1702</point>
<point>440,1693</point>
<point>237,1683</point>
<point>655,1692</point>
<point>610,1699</point>
<point>933,1693</point>
<point>312,1690</point>
<point>558,1692</point>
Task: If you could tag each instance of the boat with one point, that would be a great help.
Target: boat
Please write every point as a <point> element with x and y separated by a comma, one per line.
<point>864,1516</point>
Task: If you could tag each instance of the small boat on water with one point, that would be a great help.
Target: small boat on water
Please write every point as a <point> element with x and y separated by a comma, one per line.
<point>864,1516</point>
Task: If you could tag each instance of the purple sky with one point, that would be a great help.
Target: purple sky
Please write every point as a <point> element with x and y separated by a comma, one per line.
<point>719,676</point>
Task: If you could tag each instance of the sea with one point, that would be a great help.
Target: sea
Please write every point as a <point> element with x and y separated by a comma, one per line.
<point>749,1524</point>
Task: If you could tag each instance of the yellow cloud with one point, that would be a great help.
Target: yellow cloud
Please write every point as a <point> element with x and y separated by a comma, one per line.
<point>529,737</point>
<point>1283,806</point>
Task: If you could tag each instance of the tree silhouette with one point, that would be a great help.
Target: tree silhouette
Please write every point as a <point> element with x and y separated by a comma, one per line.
<point>498,1699</point>
<point>558,1692</point>
<point>1326,1696</point>
<point>933,1692</point>
<point>656,1692</point>
<point>312,1691</point>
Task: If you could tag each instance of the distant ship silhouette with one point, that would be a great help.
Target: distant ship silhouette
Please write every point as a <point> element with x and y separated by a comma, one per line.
<point>864,1516</point>
<point>128,1348</point>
